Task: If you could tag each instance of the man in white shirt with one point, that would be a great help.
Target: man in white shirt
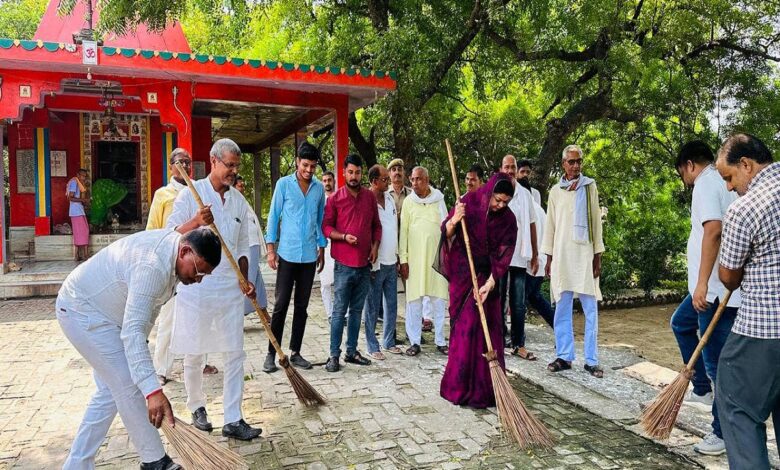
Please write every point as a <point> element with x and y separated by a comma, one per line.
<point>513,283</point>
<point>535,277</point>
<point>209,318</point>
<point>709,203</point>
<point>384,279</point>
<point>106,308</point>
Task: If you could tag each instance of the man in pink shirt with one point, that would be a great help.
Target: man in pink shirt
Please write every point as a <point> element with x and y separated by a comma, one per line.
<point>352,224</point>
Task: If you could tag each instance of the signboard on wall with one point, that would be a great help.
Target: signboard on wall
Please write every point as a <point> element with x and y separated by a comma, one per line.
<point>25,171</point>
<point>59,163</point>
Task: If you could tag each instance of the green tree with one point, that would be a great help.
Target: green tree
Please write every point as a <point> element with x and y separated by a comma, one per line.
<point>19,18</point>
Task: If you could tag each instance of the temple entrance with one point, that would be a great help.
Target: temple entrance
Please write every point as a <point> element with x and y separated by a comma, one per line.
<point>120,162</point>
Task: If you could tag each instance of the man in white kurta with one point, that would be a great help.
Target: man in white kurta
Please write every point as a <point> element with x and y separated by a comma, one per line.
<point>573,244</point>
<point>421,217</point>
<point>106,308</point>
<point>326,276</point>
<point>209,318</point>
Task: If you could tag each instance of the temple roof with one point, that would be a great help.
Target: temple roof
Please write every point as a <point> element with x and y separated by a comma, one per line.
<point>60,29</point>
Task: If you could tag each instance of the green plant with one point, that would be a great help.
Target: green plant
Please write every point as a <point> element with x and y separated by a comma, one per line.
<point>106,193</point>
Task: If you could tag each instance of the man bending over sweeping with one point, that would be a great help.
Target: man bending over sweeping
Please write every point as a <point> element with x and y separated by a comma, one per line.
<point>106,308</point>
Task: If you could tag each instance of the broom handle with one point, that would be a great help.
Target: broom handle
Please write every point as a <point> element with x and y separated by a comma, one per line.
<point>261,312</point>
<point>706,337</point>
<point>482,317</point>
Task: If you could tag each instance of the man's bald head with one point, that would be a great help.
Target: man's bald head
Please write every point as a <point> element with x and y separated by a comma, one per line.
<point>509,166</point>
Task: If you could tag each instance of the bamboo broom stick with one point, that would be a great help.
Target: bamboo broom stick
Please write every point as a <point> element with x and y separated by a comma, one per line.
<point>659,417</point>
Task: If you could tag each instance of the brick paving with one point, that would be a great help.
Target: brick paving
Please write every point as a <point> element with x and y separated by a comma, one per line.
<point>384,416</point>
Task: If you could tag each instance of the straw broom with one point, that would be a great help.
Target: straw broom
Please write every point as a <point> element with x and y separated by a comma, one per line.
<point>303,390</point>
<point>659,417</point>
<point>197,451</point>
<point>515,418</point>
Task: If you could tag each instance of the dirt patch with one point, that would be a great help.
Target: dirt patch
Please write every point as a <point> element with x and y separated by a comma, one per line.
<point>644,330</point>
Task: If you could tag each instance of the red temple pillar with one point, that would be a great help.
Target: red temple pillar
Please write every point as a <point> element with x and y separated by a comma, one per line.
<point>42,165</point>
<point>341,139</point>
<point>3,259</point>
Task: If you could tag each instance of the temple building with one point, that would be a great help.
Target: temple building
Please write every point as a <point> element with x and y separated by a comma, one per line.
<point>117,108</point>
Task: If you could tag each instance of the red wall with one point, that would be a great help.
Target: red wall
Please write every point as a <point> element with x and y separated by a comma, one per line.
<point>22,205</point>
<point>155,154</point>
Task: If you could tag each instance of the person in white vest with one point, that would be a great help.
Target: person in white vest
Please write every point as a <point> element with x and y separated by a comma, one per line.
<point>106,308</point>
<point>209,318</point>
<point>326,276</point>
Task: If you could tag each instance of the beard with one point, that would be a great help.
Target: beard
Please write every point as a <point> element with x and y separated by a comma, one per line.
<point>353,184</point>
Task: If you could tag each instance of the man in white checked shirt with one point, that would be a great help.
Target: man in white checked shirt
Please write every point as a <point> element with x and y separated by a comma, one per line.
<point>748,382</point>
<point>106,308</point>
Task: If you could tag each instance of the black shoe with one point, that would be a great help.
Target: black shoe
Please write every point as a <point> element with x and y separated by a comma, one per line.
<point>333,364</point>
<point>200,419</point>
<point>241,431</point>
<point>413,350</point>
<point>357,358</point>
<point>443,349</point>
<point>270,364</point>
<point>298,361</point>
<point>165,463</point>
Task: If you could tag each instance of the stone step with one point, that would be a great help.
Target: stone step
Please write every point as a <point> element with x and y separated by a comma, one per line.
<point>17,290</point>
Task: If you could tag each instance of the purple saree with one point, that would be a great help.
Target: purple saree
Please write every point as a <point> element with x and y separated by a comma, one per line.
<point>492,235</point>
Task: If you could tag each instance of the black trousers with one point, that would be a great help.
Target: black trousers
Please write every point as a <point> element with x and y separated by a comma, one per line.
<point>747,392</point>
<point>288,276</point>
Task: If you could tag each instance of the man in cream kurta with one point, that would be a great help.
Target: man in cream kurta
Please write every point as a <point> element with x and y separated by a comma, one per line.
<point>421,217</point>
<point>209,318</point>
<point>573,244</point>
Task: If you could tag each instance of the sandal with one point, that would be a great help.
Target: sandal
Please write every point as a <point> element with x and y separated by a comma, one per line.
<point>394,350</point>
<point>558,365</point>
<point>210,370</point>
<point>427,325</point>
<point>377,355</point>
<point>413,350</point>
<point>595,371</point>
<point>357,358</point>
<point>529,356</point>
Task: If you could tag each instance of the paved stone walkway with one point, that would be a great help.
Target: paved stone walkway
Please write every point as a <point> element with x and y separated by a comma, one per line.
<point>387,415</point>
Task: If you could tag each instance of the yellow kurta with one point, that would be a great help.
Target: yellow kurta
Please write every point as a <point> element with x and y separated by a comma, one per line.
<point>162,205</point>
<point>572,263</point>
<point>419,240</point>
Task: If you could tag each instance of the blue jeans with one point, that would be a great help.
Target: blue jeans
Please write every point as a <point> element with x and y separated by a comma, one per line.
<point>687,324</point>
<point>534,297</point>
<point>350,286</point>
<point>514,285</point>
<point>564,329</point>
<point>384,284</point>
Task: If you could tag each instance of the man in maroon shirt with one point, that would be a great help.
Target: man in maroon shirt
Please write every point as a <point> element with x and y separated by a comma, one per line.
<point>352,224</point>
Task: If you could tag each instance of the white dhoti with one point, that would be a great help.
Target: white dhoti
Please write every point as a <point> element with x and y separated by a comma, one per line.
<point>100,344</point>
<point>414,316</point>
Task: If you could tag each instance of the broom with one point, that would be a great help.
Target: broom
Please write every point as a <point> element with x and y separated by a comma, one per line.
<point>515,418</point>
<point>303,390</point>
<point>197,451</point>
<point>659,417</point>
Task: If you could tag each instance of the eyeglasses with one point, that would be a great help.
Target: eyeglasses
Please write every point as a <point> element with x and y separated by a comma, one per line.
<point>230,166</point>
<point>186,163</point>
<point>386,179</point>
<point>198,274</point>
<point>574,162</point>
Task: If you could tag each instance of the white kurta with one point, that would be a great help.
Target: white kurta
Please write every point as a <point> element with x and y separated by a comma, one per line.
<point>572,263</point>
<point>209,317</point>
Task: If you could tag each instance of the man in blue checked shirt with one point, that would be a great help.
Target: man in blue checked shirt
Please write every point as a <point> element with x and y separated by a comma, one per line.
<point>295,249</point>
<point>748,383</point>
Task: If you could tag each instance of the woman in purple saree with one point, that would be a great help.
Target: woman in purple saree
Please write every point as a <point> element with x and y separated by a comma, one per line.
<point>492,232</point>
